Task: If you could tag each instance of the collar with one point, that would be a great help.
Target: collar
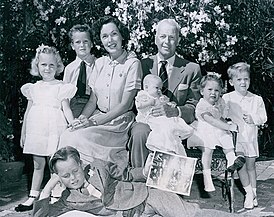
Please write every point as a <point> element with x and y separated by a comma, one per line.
<point>240,97</point>
<point>79,60</point>
<point>121,59</point>
<point>170,61</point>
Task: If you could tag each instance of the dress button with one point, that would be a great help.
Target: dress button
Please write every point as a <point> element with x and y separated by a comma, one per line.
<point>107,85</point>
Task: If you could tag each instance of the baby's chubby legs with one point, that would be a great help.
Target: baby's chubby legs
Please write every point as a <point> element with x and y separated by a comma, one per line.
<point>206,162</point>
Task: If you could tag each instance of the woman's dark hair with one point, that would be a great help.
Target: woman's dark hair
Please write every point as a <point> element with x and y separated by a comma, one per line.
<point>63,154</point>
<point>97,26</point>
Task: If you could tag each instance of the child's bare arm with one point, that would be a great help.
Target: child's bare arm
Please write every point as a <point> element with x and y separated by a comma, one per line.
<point>208,117</point>
<point>49,186</point>
<point>67,111</point>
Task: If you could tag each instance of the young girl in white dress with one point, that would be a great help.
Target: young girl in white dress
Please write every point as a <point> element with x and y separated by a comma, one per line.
<point>212,129</point>
<point>247,110</point>
<point>166,133</point>
<point>47,115</point>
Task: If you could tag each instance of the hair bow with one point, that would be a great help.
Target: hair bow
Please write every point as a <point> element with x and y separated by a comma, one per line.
<point>214,74</point>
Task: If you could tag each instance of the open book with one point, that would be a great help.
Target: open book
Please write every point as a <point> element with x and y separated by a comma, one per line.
<point>170,172</point>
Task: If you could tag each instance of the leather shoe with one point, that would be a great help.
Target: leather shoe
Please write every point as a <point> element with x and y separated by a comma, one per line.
<point>238,164</point>
<point>23,208</point>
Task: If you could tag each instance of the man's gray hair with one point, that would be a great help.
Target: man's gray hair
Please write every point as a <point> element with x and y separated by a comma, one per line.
<point>172,22</point>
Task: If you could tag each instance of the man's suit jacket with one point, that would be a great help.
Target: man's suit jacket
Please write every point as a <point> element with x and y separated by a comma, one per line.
<point>122,190</point>
<point>182,84</point>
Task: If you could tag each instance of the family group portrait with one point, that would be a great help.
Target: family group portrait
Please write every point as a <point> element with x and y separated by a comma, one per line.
<point>137,108</point>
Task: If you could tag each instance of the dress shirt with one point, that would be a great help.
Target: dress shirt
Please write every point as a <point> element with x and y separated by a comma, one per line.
<point>72,71</point>
<point>169,68</point>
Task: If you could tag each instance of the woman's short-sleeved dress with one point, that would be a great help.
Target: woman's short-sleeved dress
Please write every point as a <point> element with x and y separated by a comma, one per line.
<point>45,120</point>
<point>207,135</point>
<point>109,81</point>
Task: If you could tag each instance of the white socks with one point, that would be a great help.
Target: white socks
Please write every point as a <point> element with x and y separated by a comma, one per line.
<point>249,197</point>
<point>209,186</point>
<point>33,195</point>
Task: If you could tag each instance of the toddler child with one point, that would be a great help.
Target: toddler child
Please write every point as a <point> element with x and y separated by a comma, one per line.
<point>166,133</point>
<point>47,115</point>
<point>212,130</point>
<point>79,71</point>
<point>247,110</point>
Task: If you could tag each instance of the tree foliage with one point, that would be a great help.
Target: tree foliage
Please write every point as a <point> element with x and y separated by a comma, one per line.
<point>215,33</point>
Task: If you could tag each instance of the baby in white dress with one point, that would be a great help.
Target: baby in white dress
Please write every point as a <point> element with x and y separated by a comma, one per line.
<point>166,133</point>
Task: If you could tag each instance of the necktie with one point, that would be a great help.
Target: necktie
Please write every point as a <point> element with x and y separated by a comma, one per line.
<point>164,76</point>
<point>81,82</point>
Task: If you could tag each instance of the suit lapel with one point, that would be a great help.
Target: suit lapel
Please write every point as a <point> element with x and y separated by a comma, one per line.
<point>176,75</point>
<point>154,69</point>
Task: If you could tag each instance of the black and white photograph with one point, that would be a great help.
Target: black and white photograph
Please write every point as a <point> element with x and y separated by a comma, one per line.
<point>90,89</point>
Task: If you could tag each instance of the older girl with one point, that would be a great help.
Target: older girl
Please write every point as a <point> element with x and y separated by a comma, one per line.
<point>47,116</point>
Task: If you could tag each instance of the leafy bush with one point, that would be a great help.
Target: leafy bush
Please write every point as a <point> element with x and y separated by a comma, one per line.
<point>6,132</point>
<point>215,33</point>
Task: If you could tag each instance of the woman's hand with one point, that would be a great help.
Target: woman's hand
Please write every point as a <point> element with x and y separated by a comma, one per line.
<point>80,122</point>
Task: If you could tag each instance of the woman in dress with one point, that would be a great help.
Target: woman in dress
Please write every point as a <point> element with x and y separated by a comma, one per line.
<point>101,131</point>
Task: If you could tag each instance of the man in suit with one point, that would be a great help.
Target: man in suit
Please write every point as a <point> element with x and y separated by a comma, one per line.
<point>181,79</point>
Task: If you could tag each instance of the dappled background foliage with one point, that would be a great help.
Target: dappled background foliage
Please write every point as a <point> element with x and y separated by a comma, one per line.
<point>215,34</point>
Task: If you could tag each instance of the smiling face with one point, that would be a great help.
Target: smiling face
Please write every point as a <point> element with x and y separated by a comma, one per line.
<point>47,66</point>
<point>241,82</point>
<point>166,40</point>
<point>211,92</point>
<point>111,39</point>
<point>81,43</point>
<point>71,173</point>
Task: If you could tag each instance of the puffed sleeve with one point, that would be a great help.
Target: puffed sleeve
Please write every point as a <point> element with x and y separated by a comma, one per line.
<point>26,90</point>
<point>134,75</point>
<point>67,91</point>
<point>201,109</point>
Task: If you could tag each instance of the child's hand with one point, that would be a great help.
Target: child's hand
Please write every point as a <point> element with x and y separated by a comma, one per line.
<point>148,164</point>
<point>54,179</point>
<point>81,121</point>
<point>233,127</point>
<point>248,119</point>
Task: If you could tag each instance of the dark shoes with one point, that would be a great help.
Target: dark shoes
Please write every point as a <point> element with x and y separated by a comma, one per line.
<point>23,208</point>
<point>238,164</point>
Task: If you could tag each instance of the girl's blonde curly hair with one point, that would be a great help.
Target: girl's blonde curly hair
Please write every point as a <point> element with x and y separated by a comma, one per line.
<point>46,50</point>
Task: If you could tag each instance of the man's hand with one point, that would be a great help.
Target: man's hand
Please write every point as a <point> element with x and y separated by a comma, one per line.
<point>165,110</point>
